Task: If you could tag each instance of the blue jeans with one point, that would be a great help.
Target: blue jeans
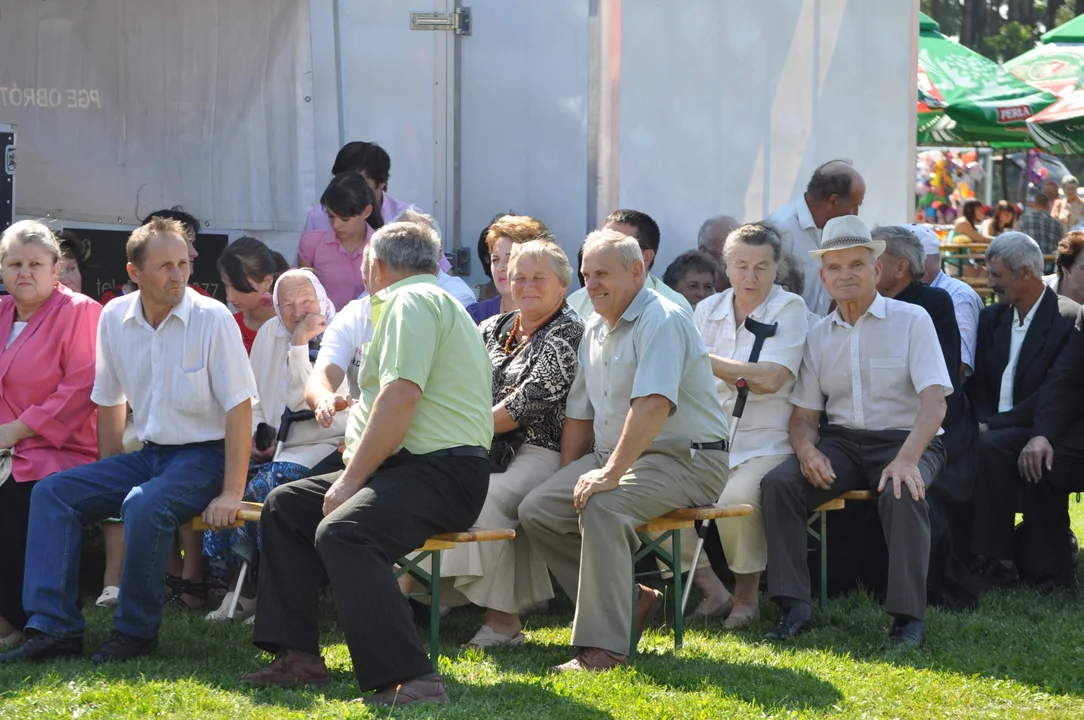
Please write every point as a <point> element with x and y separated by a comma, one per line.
<point>154,491</point>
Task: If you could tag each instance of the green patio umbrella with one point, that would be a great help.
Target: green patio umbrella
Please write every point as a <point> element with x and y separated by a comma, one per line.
<point>1057,66</point>
<point>964,98</point>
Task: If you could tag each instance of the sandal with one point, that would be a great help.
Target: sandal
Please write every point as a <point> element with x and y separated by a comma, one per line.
<point>109,598</point>
<point>487,637</point>
<point>184,587</point>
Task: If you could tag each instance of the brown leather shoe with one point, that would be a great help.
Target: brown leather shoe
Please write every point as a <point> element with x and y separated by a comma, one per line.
<point>592,659</point>
<point>648,603</point>
<point>290,669</point>
<point>408,692</point>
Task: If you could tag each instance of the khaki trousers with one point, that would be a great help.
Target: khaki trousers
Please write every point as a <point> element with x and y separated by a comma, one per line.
<point>505,576</point>
<point>591,554</point>
<point>743,538</point>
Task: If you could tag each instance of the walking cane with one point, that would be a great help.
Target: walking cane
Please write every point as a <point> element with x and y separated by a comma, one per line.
<point>761,332</point>
<point>289,417</point>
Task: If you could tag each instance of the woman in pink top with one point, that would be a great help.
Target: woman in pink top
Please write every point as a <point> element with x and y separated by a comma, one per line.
<point>47,420</point>
<point>373,163</point>
<point>335,254</point>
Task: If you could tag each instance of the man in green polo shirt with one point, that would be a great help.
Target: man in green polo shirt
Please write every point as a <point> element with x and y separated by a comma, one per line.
<point>417,447</point>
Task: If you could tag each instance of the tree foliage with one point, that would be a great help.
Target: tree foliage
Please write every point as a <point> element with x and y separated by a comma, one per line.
<point>1000,30</point>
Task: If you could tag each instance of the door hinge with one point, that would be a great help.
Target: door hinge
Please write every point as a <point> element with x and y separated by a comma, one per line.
<point>9,160</point>
<point>458,21</point>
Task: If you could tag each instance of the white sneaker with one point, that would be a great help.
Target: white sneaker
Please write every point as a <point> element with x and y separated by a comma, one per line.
<point>251,620</point>
<point>246,608</point>
<point>12,641</point>
<point>109,598</point>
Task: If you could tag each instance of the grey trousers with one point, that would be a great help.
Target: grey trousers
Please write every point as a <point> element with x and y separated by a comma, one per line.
<point>591,554</point>
<point>858,457</point>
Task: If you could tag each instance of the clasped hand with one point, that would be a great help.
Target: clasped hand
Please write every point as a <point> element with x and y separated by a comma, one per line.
<point>331,404</point>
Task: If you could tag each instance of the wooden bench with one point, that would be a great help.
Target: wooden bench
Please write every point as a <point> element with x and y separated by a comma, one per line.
<point>669,527</point>
<point>819,518</point>
<point>431,550</point>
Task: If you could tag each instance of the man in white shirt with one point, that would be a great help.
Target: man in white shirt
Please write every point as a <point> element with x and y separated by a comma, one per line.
<point>836,189</point>
<point>451,284</point>
<point>965,300</point>
<point>645,231</point>
<point>177,358</point>
<point>1019,340</point>
<point>711,238</point>
<point>875,368</point>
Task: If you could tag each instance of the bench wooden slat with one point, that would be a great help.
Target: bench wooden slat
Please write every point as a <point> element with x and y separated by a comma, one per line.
<point>686,517</point>
<point>834,504</point>
<point>857,495</point>
<point>250,512</point>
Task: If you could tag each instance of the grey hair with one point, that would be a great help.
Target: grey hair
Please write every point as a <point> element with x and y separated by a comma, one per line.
<point>419,218</point>
<point>545,250</point>
<point>902,243</point>
<point>30,232</point>
<point>627,247</point>
<point>758,233</point>
<point>407,246</point>
<point>727,220</point>
<point>1017,251</point>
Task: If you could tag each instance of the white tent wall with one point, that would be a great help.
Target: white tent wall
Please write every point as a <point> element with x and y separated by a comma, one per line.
<point>727,106</point>
<point>127,106</point>
<point>565,109</point>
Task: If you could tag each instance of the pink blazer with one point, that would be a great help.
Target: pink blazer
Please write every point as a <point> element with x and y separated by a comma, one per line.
<point>45,380</point>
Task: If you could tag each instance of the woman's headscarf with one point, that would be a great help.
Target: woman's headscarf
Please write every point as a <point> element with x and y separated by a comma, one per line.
<point>327,309</point>
<point>270,353</point>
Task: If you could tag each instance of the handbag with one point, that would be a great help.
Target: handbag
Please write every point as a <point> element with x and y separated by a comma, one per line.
<point>503,450</point>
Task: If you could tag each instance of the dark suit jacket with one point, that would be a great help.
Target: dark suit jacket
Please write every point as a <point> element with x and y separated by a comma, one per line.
<point>1050,329</point>
<point>1059,416</point>
<point>956,481</point>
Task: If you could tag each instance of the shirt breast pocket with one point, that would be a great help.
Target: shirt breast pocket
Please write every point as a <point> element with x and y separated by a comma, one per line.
<point>888,377</point>
<point>191,391</point>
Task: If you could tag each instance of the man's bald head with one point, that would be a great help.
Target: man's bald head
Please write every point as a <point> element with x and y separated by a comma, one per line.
<point>713,232</point>
<point>834,190</point>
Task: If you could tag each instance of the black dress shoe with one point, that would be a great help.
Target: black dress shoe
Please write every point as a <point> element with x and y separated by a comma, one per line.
<point>121,647</point>
<point>996,574</point>
<point>40,647</point>
<point>793,621</point>
<point>907,632</point>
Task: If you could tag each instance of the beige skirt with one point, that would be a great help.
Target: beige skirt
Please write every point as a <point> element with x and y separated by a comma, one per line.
<point>508,575</point>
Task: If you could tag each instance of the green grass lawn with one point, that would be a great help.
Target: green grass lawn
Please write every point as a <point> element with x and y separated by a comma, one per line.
<point>1019,656</point>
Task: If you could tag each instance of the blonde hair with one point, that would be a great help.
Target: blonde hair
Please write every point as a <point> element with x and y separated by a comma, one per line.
<point>30,232</point>
<point>517,228</point>
<point>551,252</point>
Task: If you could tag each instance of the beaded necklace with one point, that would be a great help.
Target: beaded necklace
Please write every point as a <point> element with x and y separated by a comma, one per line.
<point>508,341</point>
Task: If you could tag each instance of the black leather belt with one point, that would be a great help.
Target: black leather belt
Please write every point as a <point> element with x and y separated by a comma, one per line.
<point>460,451</point>
<point>717,445</point>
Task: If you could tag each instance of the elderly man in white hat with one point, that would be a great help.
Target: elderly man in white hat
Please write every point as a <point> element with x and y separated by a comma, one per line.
<point>875,368</point>
<point>967,302</point>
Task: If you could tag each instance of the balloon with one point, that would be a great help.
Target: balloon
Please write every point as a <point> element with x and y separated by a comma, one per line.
<point>976,172</point>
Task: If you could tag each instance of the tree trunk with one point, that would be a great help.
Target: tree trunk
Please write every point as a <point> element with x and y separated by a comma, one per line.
<point>935,10</point>
<point>1079,7</point>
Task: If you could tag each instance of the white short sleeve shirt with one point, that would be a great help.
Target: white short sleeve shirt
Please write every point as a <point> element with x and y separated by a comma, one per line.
<point>868,376</point>
<point>180,378</point>
<point>800,234</point>
<point>765,424</point>
<point>346,339</point>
